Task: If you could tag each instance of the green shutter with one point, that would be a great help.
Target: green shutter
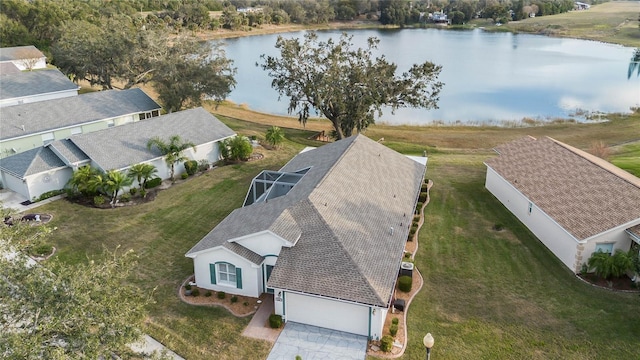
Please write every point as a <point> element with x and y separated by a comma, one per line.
<point>239,278</point>
<point>212,271</point>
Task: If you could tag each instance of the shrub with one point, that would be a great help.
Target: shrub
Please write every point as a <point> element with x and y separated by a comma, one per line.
<point>395,321</point>
<point>423,195</point>
<point>234,299</point>
<point>50,194</point>
<point>407,255</point>
<point>133,191</point>
<point>153,183</point>
<point>386,343</point>
<point>98,200</point>
<point>419,206</point>
<point>195,292</point>
<point>246,303</point>
<point>424,187</point>
<point>125,197</point>
<point>236,148</point>
<point>404,283</point>
<point>393,329</point>
<point>607,265</point>
<point>143,193</point>
<point>187,287</point>
<point>203,165</point>
<point>498,227</point>
<point>41,250</point>
<point>298,357</point>
<point>191,166</point>
<point>275,321</point>
<point>207,294</point>
<point>221,295</point>
<point>184,176</point>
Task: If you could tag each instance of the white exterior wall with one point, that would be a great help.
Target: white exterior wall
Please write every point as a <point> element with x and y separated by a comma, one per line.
<point>251,273</point>
<point>263,243</point>
<point>38,97</point>
<point>618,236</point>
<point>16,184</point>
<point>550,233</point>
<point>40,183</point>
<point>324,312</point>
<point>40,64</point>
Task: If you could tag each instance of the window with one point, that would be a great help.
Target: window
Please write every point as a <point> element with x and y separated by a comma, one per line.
<point>605,248</point>
<point>226,274</point>
<point>155,113</point>
<point>142,116</point>
<point>47,138</point>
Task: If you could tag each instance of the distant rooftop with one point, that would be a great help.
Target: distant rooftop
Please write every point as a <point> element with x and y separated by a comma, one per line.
<point>28,83</point>
<point>17,52</point>
<point>37,117</point>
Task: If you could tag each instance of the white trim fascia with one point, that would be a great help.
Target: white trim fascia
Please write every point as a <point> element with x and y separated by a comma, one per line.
<point>533,204</point>
<point>623,226</point>
<point>195,254</point>
<point>286,242</point>
<point>44,93</point>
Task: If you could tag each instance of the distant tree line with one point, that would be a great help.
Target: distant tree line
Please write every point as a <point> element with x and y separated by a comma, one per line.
<point>36,21</point>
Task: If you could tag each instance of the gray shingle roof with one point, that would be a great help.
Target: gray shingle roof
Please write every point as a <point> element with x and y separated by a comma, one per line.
<point>14,53</point>
<point>345,207</point>
<point>68,151</point>
<point>121,146</point>
<point>31,162</point>
<point>34,83</point>
<point>582,193</point>
<point>70,111</point>
<point>7,68</point>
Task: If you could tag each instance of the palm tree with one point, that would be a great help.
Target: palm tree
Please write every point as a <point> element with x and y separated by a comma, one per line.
<point>274,136</point>
<point>142,173</point>
<point>81,178</point>
<point>172,150</point>
<point>114,182</point>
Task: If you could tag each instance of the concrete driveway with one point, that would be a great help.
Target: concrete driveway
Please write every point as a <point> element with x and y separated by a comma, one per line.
<point>315,343</point>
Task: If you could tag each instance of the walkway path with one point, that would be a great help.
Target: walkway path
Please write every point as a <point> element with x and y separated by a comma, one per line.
<point>258,327</point>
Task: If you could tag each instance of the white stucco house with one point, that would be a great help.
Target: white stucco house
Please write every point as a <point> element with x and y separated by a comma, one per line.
<point>50,166</point>
<point>325,235</point>
<point>29,126</point>
<point>575,203</point>
<point>33,86</point>
<point>23,57</point>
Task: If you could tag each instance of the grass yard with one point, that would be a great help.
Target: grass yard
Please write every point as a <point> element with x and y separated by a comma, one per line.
<point>614,22</point>
<point>628,157</point>
<point>487,294</point>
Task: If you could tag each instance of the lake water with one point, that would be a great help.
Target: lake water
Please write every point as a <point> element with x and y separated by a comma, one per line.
<point>489,77</point>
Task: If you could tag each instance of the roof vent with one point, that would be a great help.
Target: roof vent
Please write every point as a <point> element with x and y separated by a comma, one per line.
<point>391,230</point>
<point>22,127</point>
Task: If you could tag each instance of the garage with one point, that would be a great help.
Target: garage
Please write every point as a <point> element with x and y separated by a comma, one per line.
<point>327,313</point>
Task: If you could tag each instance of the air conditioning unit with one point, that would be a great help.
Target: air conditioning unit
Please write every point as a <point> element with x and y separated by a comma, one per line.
<point>406,268</point>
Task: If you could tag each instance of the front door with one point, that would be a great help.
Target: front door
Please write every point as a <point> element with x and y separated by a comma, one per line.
<point>268,274</point>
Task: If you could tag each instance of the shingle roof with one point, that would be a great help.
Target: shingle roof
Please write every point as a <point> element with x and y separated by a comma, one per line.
<point>74,110</point>
<point>31,162</point>
<point>582,193</point>
<point>68,151</point>
<point>345,207</point>
<point>15,53</point>
<point>7,68</point>
<point>33,83</point>
<point>635,230</point>
<point>121,146</point>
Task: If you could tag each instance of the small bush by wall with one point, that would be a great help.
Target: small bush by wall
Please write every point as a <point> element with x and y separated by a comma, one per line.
<point>395,321</point>
<point>275,321</point>
<point>393,329</point>
<point>98,200</point>
<point>191,167</point>
<point>404,283</point>
<point>184,176</point>
<point>386,343</point>
<point>221,295</point>
<point>153,183</point>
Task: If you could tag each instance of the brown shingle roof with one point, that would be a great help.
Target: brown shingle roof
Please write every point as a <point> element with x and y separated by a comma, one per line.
<point>584,194</point>
<point>344,207</point>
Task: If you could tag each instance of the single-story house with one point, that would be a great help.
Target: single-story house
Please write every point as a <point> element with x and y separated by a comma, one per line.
<point>23,57</point>
<point>33,86</point>
<point>29,126</point>
<point>49,167</point>
<point>574,202</point>
<point>325,235</point>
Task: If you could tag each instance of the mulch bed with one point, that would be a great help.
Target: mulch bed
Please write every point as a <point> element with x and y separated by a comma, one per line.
<point>622,283</point>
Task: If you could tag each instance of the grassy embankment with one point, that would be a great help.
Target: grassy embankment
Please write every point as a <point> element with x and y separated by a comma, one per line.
<point>613,22</point>
<point>487,294</point>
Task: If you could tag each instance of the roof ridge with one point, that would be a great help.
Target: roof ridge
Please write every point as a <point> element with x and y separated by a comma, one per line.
<point>601,163</point>
<point>333,166</point>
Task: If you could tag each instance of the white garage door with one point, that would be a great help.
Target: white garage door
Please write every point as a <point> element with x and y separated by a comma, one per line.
<point>327,313</point>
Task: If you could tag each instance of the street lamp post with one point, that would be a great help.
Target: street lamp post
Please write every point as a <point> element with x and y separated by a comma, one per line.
<point>428,344</point>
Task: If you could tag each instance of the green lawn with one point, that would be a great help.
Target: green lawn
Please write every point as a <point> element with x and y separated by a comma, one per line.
<point>628,158</point>
<point>487,294</point>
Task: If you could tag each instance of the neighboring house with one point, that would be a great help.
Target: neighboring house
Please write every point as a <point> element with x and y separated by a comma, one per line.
<point>23,57</point>
<point>29,126</point>
<point>50,167</point>
<point>575,203</point>
<point>325,235</point>
<point>33,86</point>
